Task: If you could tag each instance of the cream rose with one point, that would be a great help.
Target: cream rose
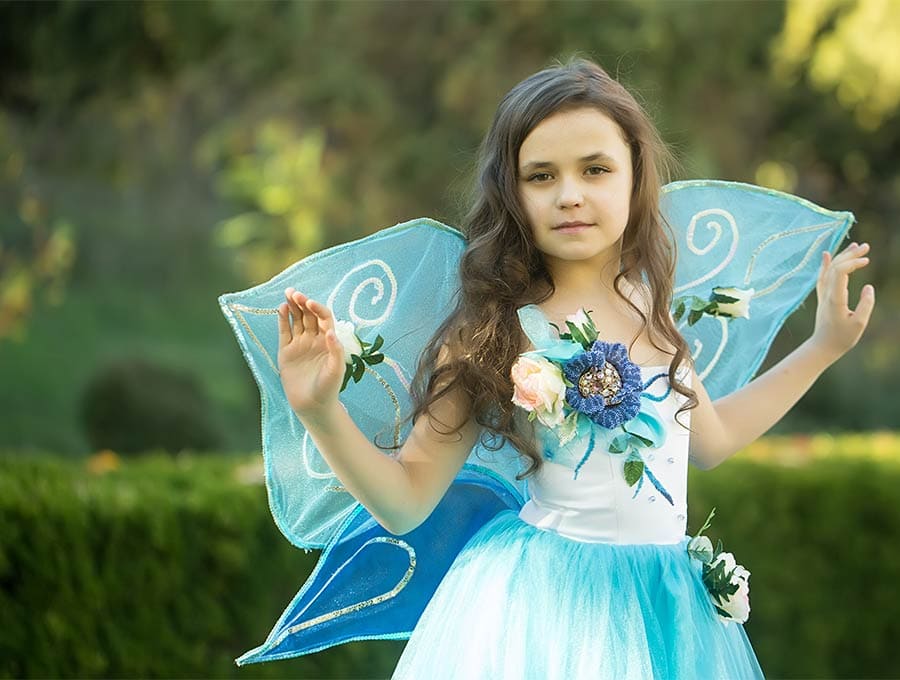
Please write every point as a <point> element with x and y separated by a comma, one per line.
<point>539,388</point>
<point>346,335</point>
<point>734,309</point>
<point>737,606</point>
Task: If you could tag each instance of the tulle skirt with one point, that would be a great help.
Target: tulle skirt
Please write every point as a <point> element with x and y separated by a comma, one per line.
<point>525,603</point>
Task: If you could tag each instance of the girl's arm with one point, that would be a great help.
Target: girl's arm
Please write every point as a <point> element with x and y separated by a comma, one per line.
<point>401,492</point>
<point>723,428</point>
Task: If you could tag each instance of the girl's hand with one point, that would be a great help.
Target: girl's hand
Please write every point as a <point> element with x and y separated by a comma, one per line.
<point>838,329</point>
<point>310,357</point>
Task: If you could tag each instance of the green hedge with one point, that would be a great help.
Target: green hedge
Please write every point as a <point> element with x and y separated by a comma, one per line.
<point>160,569</point>
<point>172,568</point>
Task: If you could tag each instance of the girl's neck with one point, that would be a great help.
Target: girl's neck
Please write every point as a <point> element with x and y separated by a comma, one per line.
<point>586,281</point>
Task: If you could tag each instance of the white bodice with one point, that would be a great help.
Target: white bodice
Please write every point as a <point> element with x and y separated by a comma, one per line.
<point>599,506</point>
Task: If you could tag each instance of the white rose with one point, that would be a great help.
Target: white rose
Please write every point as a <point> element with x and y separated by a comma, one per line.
<point>539,387</point>
<point>740,308</point>
<point>580,319</point>
<point>738,605</point>
<point>346,335</point>
<point>741,573</point>
<point>725,557</point>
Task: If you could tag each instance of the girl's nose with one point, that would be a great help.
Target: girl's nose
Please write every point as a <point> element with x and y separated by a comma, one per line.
<point>570,194</point>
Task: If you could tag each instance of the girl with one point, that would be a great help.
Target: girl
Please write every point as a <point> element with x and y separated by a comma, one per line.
<point>587,580</point>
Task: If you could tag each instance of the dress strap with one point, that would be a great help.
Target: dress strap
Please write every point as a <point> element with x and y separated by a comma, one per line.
<point>536,326</point>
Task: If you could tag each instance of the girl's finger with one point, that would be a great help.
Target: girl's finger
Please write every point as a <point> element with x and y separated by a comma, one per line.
<point>295,312</point>
<point>850,265</point>
<point>284,328</point>
<point>323,314</point>
<point>310,325</point>
<point>840,295</point>
<point>826,260</point>
<point>866,302</point>
<point>851,251</point>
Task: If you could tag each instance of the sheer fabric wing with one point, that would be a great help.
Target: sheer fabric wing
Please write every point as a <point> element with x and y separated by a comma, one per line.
<point>397,283</point>
<point>731,234</point>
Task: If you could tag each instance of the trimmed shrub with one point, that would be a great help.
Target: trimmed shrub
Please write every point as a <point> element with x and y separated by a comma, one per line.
<point>172,568</point>
<point>150,568</point>
<point>135,405</point>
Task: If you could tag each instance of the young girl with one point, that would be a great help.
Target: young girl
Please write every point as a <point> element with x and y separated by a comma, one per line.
<point>588,580</point>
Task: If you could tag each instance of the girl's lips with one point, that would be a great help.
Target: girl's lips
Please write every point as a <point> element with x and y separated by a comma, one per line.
<point>572,229</point>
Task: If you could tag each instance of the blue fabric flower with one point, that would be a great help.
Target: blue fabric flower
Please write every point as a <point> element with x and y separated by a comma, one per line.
<point>606,384</point>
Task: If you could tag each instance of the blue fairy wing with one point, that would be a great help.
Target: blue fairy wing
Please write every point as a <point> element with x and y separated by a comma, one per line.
<point>730,234</point>
<point>398,283</point>
<point>370,584</point>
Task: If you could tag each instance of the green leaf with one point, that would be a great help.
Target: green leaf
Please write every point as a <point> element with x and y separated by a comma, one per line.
<point>359,369</point>
<point>576,335</point>
<point>721,297</point>
<point>619,444</point>
<point>379,341</point>
<point>373,359</point>
<point>347,373</point>
<point>567,429</point>
<point>639,440</point>
<point>706,524</point>
<point>694,317</point>
<point>633,471</point>
<point>590,329</point>
<point>679,311</point>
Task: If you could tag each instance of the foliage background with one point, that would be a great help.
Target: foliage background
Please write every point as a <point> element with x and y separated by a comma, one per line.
<point>154,155</point>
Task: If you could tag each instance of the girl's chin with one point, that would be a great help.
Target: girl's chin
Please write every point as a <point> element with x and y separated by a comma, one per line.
<point>579,254</point>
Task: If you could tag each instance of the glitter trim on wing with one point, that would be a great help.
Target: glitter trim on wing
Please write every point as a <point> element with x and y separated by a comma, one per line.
<point>237,309</point>
<point>401,584</point>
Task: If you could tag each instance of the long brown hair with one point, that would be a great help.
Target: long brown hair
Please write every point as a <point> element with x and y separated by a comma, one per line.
<point>501,269</point>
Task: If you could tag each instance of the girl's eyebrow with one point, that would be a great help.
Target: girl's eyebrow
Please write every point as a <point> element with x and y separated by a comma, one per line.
<point>596,156</point>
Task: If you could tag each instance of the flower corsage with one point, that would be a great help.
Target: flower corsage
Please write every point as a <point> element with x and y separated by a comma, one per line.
<point>580,381</point>
<point>727,302</point>
<point>357,353</point>
<point>727,582</point>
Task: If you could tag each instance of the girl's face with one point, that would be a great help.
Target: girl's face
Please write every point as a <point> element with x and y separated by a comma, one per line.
<point>575,166</point>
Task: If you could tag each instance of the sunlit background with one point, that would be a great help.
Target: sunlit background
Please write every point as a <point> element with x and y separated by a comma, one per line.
<point>154,155</point>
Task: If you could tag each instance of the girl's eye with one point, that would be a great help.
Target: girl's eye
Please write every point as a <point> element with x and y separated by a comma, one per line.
<point>535,176</point>
<point>597,167</point>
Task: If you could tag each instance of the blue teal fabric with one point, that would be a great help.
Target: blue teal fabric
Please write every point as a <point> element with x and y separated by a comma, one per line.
<point>400,283</point>
<point>525,603</point>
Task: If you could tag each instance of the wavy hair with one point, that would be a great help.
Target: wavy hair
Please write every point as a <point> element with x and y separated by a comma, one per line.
<point>501,268</point>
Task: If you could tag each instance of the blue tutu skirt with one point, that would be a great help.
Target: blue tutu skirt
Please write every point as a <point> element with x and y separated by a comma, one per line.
<point>526,603</point>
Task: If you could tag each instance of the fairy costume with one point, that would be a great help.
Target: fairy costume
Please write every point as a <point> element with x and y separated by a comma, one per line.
<point>579,571</point>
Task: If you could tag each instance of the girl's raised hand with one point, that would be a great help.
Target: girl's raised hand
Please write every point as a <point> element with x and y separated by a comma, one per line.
<point>838,328</point>
<point>310,357</point>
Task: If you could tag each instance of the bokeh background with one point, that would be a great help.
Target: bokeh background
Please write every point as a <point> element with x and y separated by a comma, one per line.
<point>154,155</point>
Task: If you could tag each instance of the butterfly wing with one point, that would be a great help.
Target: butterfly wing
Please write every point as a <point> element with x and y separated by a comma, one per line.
<point>370,584</point>
<point>730,234</point>
<point>398,283</point>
